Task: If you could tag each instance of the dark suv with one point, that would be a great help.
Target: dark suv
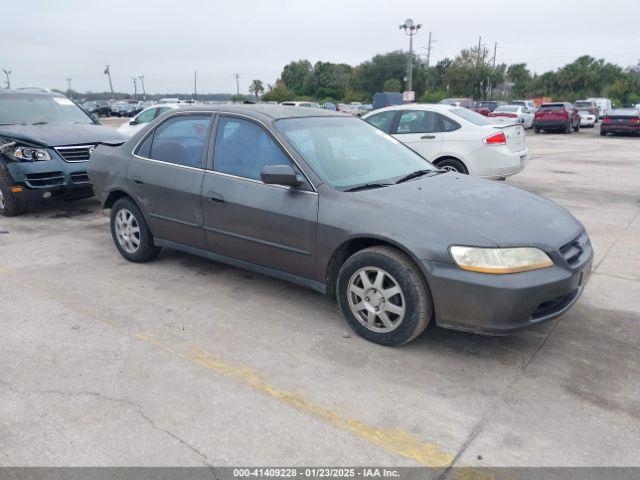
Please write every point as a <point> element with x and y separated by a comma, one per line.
<point>101,108</point>
<point>561,116</point>
<point>45,143</point>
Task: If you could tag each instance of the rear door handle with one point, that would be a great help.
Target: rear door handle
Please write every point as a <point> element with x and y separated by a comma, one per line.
<point>426,137</point>
<point>215,197</point>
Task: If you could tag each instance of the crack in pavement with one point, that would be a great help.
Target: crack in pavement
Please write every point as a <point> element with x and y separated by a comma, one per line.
<point>124,401</point>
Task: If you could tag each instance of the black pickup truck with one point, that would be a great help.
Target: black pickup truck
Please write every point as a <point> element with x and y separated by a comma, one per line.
<point>46,141</point>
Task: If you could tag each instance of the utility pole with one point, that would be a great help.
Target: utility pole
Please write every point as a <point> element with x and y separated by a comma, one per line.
<point>410,29</point>
<point>7,73</point>
<point>479,49</point>
<point>69,85</point>
<point>495,49</point>
<point>428,49</point>
<point>107,72</point>
<point>135,87</point>
<point>144,92</point>
<point>237,77</point>
<point>195,84</point>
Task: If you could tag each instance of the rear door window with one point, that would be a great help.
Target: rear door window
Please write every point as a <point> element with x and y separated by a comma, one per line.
<point>383,120</point>
<point>181,140</point>
<point>418,121</point>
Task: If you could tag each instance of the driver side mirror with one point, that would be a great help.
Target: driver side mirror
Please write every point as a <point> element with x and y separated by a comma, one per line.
<point>280,175</point>
<point>132,121</point>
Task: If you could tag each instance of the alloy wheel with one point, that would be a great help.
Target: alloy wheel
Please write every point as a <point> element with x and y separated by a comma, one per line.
<point>2,204</point>
<point>448,168</point>
<point>127,231</point>
<point>376,299</point>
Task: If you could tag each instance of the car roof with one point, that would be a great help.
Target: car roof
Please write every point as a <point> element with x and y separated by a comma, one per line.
<point>28,93</point>
<point>418,106</point>
<point>266,112</point>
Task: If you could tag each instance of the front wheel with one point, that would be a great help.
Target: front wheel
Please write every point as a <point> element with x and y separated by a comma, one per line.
<point>576,128</point>
<point>452,165</point>
<point>383,296</point>
<point>10,205</point>
<point>130,232</point>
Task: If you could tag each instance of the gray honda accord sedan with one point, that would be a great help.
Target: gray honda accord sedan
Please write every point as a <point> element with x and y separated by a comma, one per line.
<point>328,201</point>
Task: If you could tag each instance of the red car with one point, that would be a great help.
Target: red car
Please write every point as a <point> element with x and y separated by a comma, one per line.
<point>488,106</point>
<point>561,116</point>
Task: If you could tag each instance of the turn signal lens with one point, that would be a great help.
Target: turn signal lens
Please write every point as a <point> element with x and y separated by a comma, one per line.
<point>606,120</point>
<point>496,139</point>
<point>500,260</point>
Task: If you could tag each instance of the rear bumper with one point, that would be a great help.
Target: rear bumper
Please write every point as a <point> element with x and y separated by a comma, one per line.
<point>496,162</point>
<point>550,124</point>
<point>609,128</point>
<point>500,304</point>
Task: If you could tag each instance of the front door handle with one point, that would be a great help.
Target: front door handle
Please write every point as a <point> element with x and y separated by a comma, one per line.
<point>215,197</point>
<point>138,180</point>
<point>426,137</point>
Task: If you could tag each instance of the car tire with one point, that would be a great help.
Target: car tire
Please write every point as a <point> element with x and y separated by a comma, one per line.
<point>536,129</point>
<point>131,233</point>
<point>568,128</point>
<point>406,308</point>
<point>10,205</point>
<point>452,165</point>
<point>603,133</point>
<point>576,128</point>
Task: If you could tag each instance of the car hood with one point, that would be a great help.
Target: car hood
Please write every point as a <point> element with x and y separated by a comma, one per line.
<point>55,134</point>
<point>449,209</point>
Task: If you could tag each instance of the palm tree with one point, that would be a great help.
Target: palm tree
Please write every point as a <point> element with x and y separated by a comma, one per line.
<point>256,88</point>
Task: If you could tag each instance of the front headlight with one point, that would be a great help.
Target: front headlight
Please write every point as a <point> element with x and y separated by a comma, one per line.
<point>22,153</point>
<point>31,154</point>
<point>500,260</point>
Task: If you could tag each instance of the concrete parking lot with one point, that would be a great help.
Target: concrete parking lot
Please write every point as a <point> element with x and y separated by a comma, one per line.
<point>183,361</point>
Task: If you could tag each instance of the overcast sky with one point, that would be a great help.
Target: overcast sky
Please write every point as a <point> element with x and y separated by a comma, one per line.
<point>44,42</point>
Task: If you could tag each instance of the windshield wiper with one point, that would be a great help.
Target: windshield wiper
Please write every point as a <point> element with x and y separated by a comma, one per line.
<point>367,186</point>
<point>416,174</point>
<point>39,123</point>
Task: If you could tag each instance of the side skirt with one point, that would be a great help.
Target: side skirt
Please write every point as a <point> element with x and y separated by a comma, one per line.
<point>271,272</point>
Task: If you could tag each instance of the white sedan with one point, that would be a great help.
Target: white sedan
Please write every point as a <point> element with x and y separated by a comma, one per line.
<point>513,114</point>
<point>456,138</point>
<point>587,119</point>
<point>130,128</point>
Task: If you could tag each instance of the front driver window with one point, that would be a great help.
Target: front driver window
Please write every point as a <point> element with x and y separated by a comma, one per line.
<point>181,140</point>
<point>243,148</point>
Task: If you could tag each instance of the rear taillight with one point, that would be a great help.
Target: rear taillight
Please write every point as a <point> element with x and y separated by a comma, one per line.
<point>496,139</point>
<point>635,120</point>
<point>606,120</point>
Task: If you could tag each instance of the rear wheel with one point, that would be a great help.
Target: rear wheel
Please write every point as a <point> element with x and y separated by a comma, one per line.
<point>567,128</point>
<point>577,127</point>
<point>537,129</point>
<point>602,133</point>
<point>130,232</point>
<point>383,296</point>
<point>10,205</point>
<point>452,165</point>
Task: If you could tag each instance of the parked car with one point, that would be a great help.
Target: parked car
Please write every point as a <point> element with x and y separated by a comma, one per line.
<point>621,121</point>
<point>456,139</point>
<point>357,110</point>
<point>513,114</point>
<point>329,106</point>
<point>530,104</point>
<point>487,106</point>
<point>144,117</point>
<point>100,108</point>
<point>561,116</point>
<point>604,106</point>
<point>45,143</point>
<point>290,193</point>
<point>297,104</point>
<point>587,118</point>
<point>386,99</point>
<point>587,106</point>
<point>459,102</point>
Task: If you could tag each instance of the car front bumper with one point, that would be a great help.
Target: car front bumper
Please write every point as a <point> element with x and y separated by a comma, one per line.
<point>500,304</point>
<point>50,179</point>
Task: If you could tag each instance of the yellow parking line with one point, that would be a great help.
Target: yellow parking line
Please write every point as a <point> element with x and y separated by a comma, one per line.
<point>393,440</point>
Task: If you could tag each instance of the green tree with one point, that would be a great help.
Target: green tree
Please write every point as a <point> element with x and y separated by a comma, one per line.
<point>392,85</point>
<point>519,76</point>
<point>297,76</point>
<point>256,88</point>
<point>369,77</point>
<point>278,93</point>
<point>469,74</point>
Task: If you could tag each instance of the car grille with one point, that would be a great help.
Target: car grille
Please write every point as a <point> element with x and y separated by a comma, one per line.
<point>79,153</point>
<point>44,180</point>
<point>79,177</point>
<point>572,251</point>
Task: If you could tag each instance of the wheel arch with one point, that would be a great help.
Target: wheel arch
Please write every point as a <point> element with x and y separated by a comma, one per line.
<point>356,244</point>
<point>450,157</point>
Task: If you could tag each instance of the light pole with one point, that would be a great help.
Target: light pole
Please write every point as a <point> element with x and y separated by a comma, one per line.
<point>410,29</point>
<point>144,92</point>
<point>68,84</point>
<point>7,73</point>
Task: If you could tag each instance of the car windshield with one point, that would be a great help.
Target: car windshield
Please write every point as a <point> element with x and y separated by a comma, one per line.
<point>583,104</point>
<point>348,152</point>
<point>27,109</point>
<point>473,117</point>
